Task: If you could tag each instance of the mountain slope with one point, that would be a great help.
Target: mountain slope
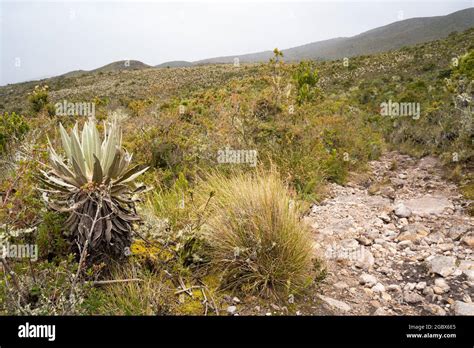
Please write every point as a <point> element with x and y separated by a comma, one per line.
<point>392,36</point>
<point>115,66</point>
<point>174,64</point>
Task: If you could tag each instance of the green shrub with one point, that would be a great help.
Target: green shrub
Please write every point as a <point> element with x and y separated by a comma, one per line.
<point>12,129</point>
<point>306,79</point>
<point>466,65</point>
<point>38,98</point>
<point>50,238</point>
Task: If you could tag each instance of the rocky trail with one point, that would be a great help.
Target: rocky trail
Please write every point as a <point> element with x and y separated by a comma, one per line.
<point>398,242</point>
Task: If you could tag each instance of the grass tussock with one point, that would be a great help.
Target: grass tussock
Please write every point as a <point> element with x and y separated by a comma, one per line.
<point>257,238</point>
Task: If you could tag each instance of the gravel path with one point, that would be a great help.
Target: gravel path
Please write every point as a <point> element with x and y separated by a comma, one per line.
<point>397,243</point>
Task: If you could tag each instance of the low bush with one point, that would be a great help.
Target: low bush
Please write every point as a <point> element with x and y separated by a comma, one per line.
<point>256,237</point>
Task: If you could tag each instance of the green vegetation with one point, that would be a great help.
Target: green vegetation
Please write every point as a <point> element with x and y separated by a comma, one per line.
<point>306,79</point>
<point>38,98</point>
<point>13,127</point>
<point>209,229</point>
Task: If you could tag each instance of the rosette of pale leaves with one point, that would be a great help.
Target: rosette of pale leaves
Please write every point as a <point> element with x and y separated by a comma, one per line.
<point>95,185</point>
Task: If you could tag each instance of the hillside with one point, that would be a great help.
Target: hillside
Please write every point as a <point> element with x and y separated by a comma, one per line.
<point>174,64</point>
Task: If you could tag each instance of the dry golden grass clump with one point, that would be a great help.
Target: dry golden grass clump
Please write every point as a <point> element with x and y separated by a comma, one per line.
<point>256,236</point>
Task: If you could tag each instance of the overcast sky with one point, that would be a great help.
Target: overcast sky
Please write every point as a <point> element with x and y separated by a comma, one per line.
<point>46,38</point>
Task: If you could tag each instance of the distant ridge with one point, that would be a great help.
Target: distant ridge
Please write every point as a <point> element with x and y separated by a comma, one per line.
<point>115,66</point>
<point>174,64</point>
<point>408,32</point>
<point>393,36</point>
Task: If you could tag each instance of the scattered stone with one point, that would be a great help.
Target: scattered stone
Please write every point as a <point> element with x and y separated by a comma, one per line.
<point>386,296</point>
<point>428,291</point>
<point>231,309</point>
<point>403,222</point>
<point>394,287</point>
<point>236,300</point>
<point>375,303</point>
<point>342,306</point>
<point>441,284</point>
<point>468,239</point>
<point>341,285</point>
<point>417,242</point>
<point>365,241</point>
<point>384,217</point>
<point>402,211</point>
<point>380,311</point>
<point>413,233</point>
<point>456,232</point>
<point>434,309</point>
<point>367,279</point>
<point>463,308</point>
<point>421,285</point>
<point>466,265</point>
<point>378,288</point>
<point>442,265</point>
<point>366,260</point>
<point>428,205</point>
<point>469,274</point>
<point>412,297</point>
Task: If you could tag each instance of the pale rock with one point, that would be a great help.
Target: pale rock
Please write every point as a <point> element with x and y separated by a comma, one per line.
<point>386,296</point>
<point>342,306</point>
<point>366,260</point>
<point>378,288</point>
<point>468,239</point>
<point>428,291</point>
<point>456,232</point>
<point>367,279</point>
<point>384,217</point>
<point>364,240</point>
<point>466,265</point>
<point>341,285</point>
<point>469,274</point>
<point>403,222</point>
<point>463,308</point>
<point>394,287</point>
<point>421,285</point>
<point>441,282</point>
<point>442,265</point>
<point>380,311</point>
<point>428,205</point>
<point>412,297</point>
<point>402,211</point>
